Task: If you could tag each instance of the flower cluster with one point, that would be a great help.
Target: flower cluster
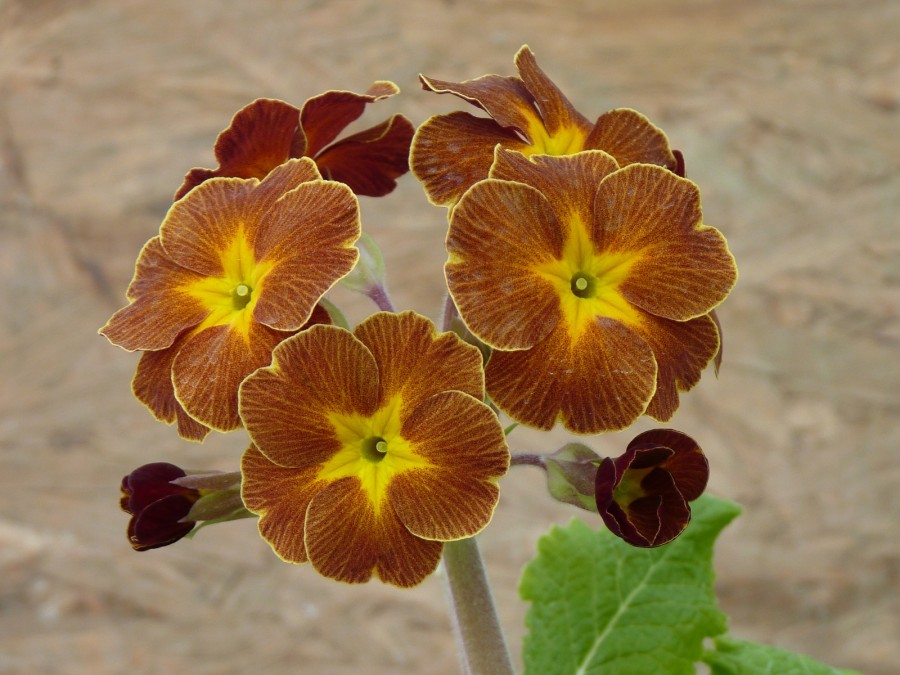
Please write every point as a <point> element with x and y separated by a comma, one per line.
<point>579,267</point>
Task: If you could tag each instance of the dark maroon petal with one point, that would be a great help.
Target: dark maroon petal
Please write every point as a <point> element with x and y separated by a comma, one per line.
<point>605,483</point>
<point>646,457</point>
<point>370,162</point>
<point>149,483</point>
<point>158,524</point>
<point>687,463</point>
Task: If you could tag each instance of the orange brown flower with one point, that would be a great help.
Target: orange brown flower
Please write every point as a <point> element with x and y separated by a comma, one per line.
<point>592,283</point>
<point>528,113</point>
<point>238,266</point>
<point>268,132</point>
<point>371,448</point>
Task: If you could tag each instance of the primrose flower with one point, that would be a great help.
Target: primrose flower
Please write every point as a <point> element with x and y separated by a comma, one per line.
<point>156,505</point>
<point>592,284</point>
<point>529,114</point>
<point>238,266</point>
<point>371,448</point>
<point>268,132</point>
<point>643,495</point>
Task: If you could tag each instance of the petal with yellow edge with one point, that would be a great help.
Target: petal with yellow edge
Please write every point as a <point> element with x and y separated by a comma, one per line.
<point>450,153</point>
<point>682,350</point>
<point>159,311</point>
<point>679,267</point>
<point>415,362</point>
<point>288,407</point>
<point>302,248</point>
<point>564,128</point>
<point>631,138</point>
<point>280,496</point>
<point>461,476</point>
<point>599,380</point>
<point>373,425</point>
<point>152,386</point>
<point>502,234</point>
<point>505,99</point>
<point>569,183</point>
<point>349,539</point>
<point>199,230</point>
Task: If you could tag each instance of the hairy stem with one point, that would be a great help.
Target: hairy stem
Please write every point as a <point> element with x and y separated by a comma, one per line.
<point>481,642</point>
<point>379,295</point>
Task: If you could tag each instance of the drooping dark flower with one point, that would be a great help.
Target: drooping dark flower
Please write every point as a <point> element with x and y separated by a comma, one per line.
<point>643,494</point>
<point>157,506</point>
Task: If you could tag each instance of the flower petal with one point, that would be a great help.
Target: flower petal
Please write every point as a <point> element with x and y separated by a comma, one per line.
<point>280,496</point>
<point>152,386</point>
<point>450,153</point>
<point>682,351</point>
<point>455,497</point>
<point>158,525</point>
<point>201,226</point>
<point>316,373</point>
<point>415,361</point>
<point>682,268</point>
<point>569,182</point>
<point>347,540</point>
<point>371,161</point>
<point>505,99</point>
<point>159,310</point>
<point>210,366</point>
<point>631,138</point>
<point>259,138</point>
<point>602,381</point>
<point>556,110</point>
<point>688,465</point>
<point>324,116</point>
<point>500,233</point>
<point>308,236</point>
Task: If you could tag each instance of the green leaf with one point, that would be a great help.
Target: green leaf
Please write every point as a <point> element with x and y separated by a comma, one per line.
<point>737,657</point>
<point>600,605</point>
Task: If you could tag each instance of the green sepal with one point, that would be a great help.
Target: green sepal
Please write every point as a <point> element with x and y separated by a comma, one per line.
<point>571,471</point>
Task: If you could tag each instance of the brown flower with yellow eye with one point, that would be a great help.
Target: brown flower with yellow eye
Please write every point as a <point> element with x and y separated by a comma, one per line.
<point>268,132</point>
<point>592,284</point>
<point>239,265</point>
<point>529,113</point>
<point>643,495</point>
<point>371,448</point>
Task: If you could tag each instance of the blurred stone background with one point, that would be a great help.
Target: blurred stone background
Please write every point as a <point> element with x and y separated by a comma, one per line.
<point>789,117</point>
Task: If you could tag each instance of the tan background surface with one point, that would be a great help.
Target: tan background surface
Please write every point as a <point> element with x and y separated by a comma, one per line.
<point>789,117</point>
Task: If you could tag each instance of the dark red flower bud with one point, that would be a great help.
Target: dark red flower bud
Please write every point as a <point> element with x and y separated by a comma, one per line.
<point>643,494</point>
<point>156,505</point>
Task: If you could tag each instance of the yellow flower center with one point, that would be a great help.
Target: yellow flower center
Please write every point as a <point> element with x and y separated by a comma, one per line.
<point>230,298</point>
<point>588,281</point>
<point>566,141</point>
<point>373,450</point>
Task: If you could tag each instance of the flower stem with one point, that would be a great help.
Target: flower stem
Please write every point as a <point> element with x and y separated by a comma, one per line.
<point>528,459</point>
<point>378,294</point>
<point>482,645</point>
